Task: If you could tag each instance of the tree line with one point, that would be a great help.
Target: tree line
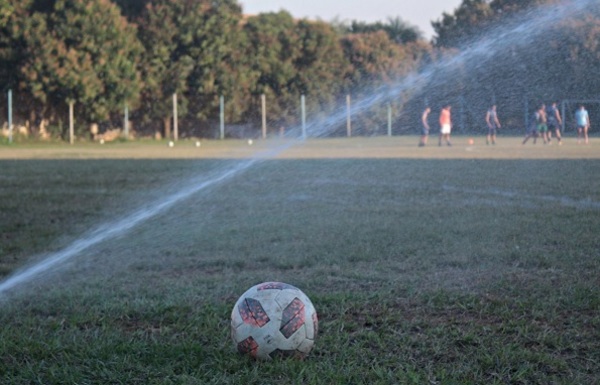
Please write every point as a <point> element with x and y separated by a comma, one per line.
<point>103,55</point>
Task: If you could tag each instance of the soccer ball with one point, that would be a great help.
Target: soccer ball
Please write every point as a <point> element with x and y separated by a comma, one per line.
<point>274,319</point>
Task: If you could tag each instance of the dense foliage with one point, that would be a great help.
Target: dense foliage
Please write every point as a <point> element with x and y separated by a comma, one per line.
<point>105,55</point>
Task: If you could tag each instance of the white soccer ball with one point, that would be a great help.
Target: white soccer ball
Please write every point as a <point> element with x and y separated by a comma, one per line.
<point>171,144</point>
<point>274,319</point>
<point>250,142</point>
<point>198,144</point>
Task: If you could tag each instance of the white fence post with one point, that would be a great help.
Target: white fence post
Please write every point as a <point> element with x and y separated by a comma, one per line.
<point>175,123</point>
<point>303,112</point>
<point>71,123</point>
<point>389,111</point>
<point>263,103</point>
<point>348,116</point>
<point>222,116</point>
<point>10,125</point>
<point>126,122</point>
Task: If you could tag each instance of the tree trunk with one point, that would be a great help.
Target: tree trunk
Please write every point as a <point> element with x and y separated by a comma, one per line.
<point>33,123</point>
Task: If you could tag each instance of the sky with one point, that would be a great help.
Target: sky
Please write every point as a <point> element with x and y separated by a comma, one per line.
<point>418,13</point>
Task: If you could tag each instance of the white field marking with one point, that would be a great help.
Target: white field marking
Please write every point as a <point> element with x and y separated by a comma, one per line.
<point>586,203</point>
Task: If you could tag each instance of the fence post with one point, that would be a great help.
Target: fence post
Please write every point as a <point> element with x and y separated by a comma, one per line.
<point>263,103</point>
<point>303,112</point>
<point>175,125</point>
<point>126,122</point>
<point>222,116</point>
<point>389,111</point>
<point>10,125</point>
<point>526,113</point>
<point>71,123</point>
<point>348,116</point>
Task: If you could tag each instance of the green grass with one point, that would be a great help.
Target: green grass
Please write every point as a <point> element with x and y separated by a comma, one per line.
<point>462,265</point>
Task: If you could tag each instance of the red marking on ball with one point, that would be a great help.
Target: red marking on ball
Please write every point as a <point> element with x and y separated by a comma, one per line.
<point>274,286</point>
<point>292,318</point>
<point>248,346</point>
<point>252,313</point>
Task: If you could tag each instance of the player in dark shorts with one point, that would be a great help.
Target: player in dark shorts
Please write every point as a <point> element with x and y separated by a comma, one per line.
<point>542,123</point>
<point>532,130</point>
<point>554,123</point>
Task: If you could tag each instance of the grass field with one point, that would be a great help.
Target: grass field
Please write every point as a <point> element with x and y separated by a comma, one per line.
<point>436,265</point>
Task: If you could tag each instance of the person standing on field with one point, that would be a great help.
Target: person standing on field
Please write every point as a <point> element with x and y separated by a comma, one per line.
<point>425,129</point>
<point>554,123</point>
<point>533,130</point>
<point>583,124</point>
<point>445,125</point>
<point>543,123</point>
<point>491,118</point>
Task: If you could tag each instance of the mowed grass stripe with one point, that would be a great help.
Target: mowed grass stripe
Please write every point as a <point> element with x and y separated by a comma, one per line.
<point>449,270</point>
<point>509,147</point>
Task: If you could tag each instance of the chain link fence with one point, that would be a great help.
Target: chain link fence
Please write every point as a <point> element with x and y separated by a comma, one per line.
<point>259,116</point>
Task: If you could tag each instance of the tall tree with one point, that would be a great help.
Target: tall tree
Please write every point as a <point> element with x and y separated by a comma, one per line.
<point>166,60</point>
<point>510,7</point>
<point>375,59</point>
<point>577,54</point>
<point>401,31</point>
<point>321,68</point>
<point>8,48</point>
<point>132,9</point>
<point>469,20</point>
<point>82,51</point>
<point>13,15</point>
<point>274,42</point>
<point>473,17</point>
<point>377,63</point>
<point>190,48</point>
<point>220,62</point>
<point>397,29</point>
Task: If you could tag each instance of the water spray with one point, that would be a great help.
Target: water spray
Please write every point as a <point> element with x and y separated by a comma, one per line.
<point>520,32</point>
<point>120,227</point>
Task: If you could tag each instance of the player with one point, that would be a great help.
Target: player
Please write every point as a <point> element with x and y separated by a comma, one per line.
<point>425,130</point>
<point>554,123</point>
<point>491,118</point>
<point>533,131</point>
<point>445,125</point>
<point>583,124</point>
<point>542,123</point>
